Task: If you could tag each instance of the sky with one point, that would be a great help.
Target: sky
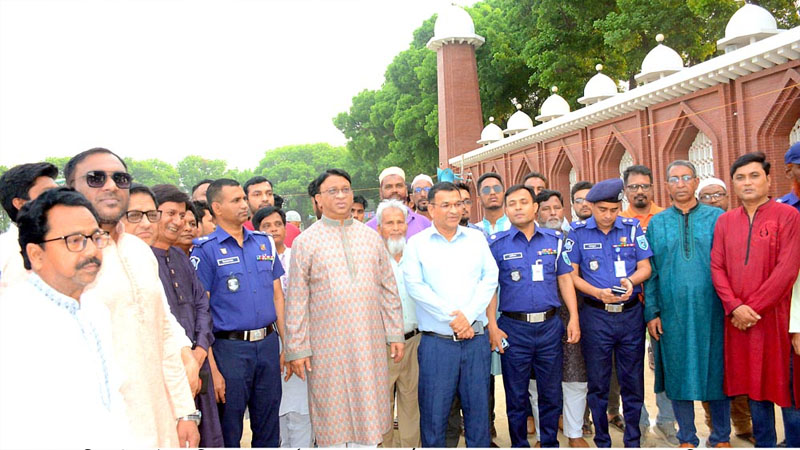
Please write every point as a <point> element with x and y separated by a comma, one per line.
<point>224,79</point>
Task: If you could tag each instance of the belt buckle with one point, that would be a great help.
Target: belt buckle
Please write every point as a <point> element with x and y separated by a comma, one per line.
<point>614,308</point>
<point>456,338</point>
<point>255,335</point>
<point>535,317</point>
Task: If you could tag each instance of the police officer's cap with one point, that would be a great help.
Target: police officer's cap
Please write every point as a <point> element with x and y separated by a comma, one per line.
<point>606,191</point>
<point>792,155</point>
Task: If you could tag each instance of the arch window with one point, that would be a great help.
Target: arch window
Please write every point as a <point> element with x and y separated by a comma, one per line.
<point>794,135</point>
<point>701,154</point>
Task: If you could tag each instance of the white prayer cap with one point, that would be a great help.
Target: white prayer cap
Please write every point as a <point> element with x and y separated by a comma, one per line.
<point>394,170</point>
<point>710,182</point>
<point>292,216</point>
<point>422,177</point>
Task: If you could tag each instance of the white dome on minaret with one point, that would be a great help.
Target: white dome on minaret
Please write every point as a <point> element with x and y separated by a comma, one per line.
<point>749,24</point>
<point>659,62</point>
<point>599,87</point>
<point>491,133</point>
<point>454,25</point>
<point>519,121</point>
<point>553,107</point>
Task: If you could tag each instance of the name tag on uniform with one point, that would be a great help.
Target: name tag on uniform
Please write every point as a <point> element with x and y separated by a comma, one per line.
<point>619,269</point>
<point>538,271</point>
<point>508,256</point>
<point>593,246</point>
<point>227,261</point>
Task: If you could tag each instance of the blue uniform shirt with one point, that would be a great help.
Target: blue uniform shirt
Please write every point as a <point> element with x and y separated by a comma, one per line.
<point>790,199</point>
<point>516,256</point>
<point>595,252</point>
<point>239,279</point>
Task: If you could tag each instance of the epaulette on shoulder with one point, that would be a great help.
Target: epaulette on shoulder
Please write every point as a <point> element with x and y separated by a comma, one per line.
<point>202,240</point>
<point>578,224</point>
<point>497,236</point>
<point>259,233</point>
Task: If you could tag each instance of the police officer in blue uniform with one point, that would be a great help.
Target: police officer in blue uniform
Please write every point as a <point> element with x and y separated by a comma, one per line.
<point>241,272</point>
<point>611,258</point>
<point>533,269</point>
<point>792,161</point>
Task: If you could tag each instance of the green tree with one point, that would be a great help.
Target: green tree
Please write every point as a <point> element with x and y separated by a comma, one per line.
<point>60,162</point>
<point>150,172</point>
<point>193,168</point>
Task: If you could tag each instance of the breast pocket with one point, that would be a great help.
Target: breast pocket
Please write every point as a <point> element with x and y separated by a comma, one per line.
<point>264,269</point>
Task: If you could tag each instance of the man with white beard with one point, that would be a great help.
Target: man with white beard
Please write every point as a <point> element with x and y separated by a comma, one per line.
<point>403,377</point>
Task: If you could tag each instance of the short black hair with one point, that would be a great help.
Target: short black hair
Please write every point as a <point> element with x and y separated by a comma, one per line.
<point>265,212</point>
<point>200,183</point>
<point>461,186</point>
<point>69,169</point>
<point>258,179</point>
<point>33,222</point>
<point>278,200</point>
<point>329,173</point>
<point>483,177</point>
<point>519,187</point>
<point>215,188</point>
<point>18,181</point>
<point>190,207</point>
<point>579,186</point>
<point>442,186</point>
<point>360,200</point>
<point>313,188</point>
<point>748,158</point>
<point>138,188</point>
<point>202,206</point>
<point>639,170</point>
<point>166,193</point>
<point>546,194</point>
<point>534,175</point>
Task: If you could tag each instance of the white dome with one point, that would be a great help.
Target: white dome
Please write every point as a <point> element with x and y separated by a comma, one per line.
<point>519,121</point>
<point>454,24</point>
<point>749,24</point>
<point>659,62</point>
<point>599,87</point>
<point>553,107</point>
<point>491,133</point>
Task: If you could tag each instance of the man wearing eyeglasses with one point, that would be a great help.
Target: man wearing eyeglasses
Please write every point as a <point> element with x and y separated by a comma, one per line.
<point>61,244</point>
<point>687,322</point>
<point>420,187</point>
<point>393,186</point>
<point>713,192</point>
<point>153,350</point>
<point>490,190</point>
<point>19,185</point>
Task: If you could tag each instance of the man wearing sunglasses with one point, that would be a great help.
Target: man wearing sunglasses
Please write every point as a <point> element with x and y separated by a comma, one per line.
<point>69,363</point>
<point>490,191</point>
<point>420,187</point>
<point>153,351</point>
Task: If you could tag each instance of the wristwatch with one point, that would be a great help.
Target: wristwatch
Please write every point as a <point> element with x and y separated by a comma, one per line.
<point>194,417</point>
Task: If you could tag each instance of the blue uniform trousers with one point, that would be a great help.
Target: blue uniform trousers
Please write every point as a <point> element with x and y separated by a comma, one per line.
<point>536,345</point>
<point>447,367</point>
<point>252,379</point>
<point>623,333</point>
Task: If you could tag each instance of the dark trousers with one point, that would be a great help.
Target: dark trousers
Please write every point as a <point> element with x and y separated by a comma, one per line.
<point>447,367</point>
<point>534,346</point>
<point>720,417</point>
<point>453,433</point>
<point>210,427</point>
<point>763,413</point>
<point>623,333</point>
<point>252,380</point>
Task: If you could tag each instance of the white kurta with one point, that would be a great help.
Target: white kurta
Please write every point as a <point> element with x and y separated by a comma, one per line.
<point>12,269</point>
<point>57,388</point>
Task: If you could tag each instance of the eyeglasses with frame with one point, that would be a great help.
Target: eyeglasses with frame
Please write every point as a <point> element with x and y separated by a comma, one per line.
<point>135,216</point>
<point>333,192</point>
<point>684,178</point>
<point>97,179</point>
<point>636,187</point>
<point>579,200</point>
<point>710,197</point>
<point>422,189</point>
<point>447,205</point>
<point>76,242</point>
<point>486,190</point>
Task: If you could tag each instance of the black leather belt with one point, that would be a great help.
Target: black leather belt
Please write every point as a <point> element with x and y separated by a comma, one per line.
<point>532,317</point>
<point>247,335</point>
<point>611,307</point>
<point>411,333</point>
<point>477,327</point>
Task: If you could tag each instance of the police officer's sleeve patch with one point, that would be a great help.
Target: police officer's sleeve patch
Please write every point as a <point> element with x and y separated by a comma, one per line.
<point>195,261</point>
<point>642,242</point>
<point>568,245</point>
<point>565,257</point>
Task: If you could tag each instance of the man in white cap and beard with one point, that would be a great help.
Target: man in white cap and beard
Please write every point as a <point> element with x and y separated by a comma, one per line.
<point>419,191</point>
<point>392,182</point>
<point>713,192</point>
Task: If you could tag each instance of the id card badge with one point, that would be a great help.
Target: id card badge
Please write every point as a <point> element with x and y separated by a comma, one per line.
<point>619,269</point>
<point>538,271</point>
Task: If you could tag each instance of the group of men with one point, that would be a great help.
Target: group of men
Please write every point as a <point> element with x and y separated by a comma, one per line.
<point>175,314</point>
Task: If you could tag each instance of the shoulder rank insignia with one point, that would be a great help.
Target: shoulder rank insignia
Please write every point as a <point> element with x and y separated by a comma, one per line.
<point>494,236</point>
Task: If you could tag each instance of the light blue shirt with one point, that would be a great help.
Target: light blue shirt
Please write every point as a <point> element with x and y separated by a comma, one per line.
<point>502,224</point>
<point>443,276</point>
<point>409,309</point>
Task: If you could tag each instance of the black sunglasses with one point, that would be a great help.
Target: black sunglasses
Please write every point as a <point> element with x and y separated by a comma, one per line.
<point>97,179</point>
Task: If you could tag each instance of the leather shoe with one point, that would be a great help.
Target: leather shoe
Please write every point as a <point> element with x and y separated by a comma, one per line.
<point>686,445</point>
<point>578,443</point>
<point>723,445</point>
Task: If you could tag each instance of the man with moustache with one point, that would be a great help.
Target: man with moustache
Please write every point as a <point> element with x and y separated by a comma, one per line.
<point>240,271</point>
<point>534,338</point>
<point>403,377</point>
<point>536,181</point>
<point>19,185</point>
<point>490,190</point>
<point>686,323</point>
<point>451,275</point>
<point>393,186</point>
<point>359,205</point>
<point>755,259</point>
<point>420,187</point>
<point>153,352</point>
<point>259,194</point>
<point>142,217</point>
<point>713,192</point>
<point>187,301</point>
<point>69,365</point>
<point>580,206</point>
<point>343,296</point>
